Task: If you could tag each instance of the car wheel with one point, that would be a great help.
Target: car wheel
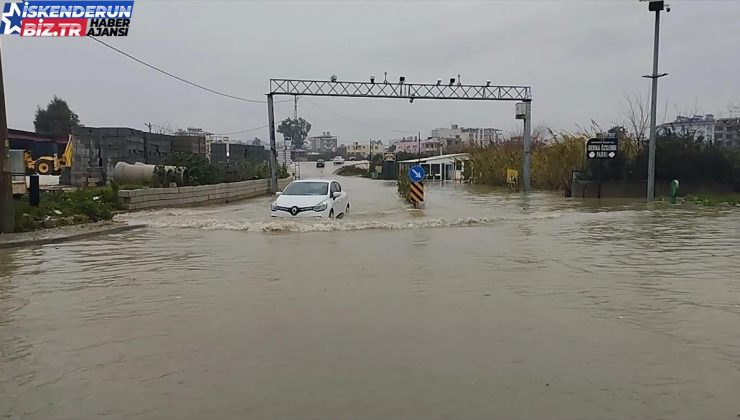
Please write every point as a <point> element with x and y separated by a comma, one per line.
<point>331,213</point>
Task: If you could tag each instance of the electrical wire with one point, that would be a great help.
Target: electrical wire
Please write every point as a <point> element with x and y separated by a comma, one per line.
<point>153,67</point>
<point>242,131</point>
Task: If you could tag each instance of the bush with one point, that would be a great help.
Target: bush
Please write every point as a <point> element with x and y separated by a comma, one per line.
<point>553,163</point>
<point>197,170</point>
<point>353,170</point>
<point>714,200</point>
<point>117,186</point>
<point>81,206</point>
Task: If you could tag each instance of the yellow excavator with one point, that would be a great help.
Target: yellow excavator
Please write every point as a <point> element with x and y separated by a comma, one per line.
<point>49,165</point>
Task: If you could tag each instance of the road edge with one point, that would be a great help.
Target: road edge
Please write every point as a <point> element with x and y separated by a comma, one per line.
<point>96,230</point>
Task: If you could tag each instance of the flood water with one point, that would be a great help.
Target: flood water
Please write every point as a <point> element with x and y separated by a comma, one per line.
<point>484,305</point>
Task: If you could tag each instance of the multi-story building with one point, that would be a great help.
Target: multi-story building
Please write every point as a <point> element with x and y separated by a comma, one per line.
<point>727,132</point>
<point>413,145</point>
<point>364,149</point>
<point>700,127</point>
<point>454,132</point>
<point>467,136</point>
<point>481,136</point>
<point>706,129</point>
<point>193,131</point>
<point>323,143</point>
<point>284,153</point>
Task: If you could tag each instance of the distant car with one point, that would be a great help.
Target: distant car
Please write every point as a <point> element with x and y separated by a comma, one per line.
<point>320,163</point>
<point>322,198</point>
<point>352,158</point>
<point>338,160</point>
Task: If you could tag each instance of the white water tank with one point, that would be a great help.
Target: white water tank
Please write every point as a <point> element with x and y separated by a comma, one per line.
<point>138,173</point>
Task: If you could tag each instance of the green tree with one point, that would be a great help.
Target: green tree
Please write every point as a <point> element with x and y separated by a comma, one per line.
<point>57,120</point>
<point>296,130</point>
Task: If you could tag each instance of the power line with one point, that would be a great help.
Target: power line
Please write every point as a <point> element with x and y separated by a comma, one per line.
<point>242,131</point>
<point>153,67</point>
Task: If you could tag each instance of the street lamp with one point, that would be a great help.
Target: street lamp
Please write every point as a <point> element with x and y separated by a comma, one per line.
<point>657,7</point>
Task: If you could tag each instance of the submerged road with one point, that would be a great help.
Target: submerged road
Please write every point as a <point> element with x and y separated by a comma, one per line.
<point>484,305</point>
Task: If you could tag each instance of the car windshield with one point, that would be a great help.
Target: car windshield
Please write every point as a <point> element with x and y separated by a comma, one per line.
<point>307,188</point>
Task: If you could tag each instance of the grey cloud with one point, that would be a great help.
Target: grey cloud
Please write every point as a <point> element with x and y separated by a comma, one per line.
<point>579,56</point>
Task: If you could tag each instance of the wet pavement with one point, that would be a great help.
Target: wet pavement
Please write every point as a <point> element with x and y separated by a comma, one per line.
<point>484,305</point>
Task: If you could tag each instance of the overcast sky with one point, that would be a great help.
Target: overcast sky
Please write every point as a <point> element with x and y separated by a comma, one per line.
<point>580,57</point>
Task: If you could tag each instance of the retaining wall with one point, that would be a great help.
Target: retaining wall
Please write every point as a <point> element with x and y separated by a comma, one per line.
<point>203,194</point>
<point>588,189</point>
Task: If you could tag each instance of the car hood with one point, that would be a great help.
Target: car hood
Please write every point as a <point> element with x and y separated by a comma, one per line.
<point>299,200</point>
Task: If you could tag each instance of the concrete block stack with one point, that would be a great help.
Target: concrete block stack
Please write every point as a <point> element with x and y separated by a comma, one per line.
<point>237,153</point>
<point>157,148</point>
<point>83,157</point>
<point>96,150</point>
<point>256,153</point>
<point>218,152</point>
<point>189,144</point>
<point>120,145</point>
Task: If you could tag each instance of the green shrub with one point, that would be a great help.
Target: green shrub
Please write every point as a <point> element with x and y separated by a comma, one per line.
<point>73,207</point>
<point>197,170</point>
<point>353,170</point>
<point>553,163</point>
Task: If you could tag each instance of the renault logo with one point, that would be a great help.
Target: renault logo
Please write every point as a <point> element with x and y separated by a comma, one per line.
<point>294,210</point>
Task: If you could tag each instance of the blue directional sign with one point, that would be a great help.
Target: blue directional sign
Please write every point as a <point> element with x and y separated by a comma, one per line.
<point>417,174</point>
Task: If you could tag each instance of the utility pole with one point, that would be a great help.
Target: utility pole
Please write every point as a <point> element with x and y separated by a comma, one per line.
<point>273,148</point>
<point>295,107</point>
<point>526,164</point>
<point>657,7</point>
<point>7,209</point>
<point>418,147</point>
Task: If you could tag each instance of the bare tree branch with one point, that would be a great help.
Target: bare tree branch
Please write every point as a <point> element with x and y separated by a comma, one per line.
<point>636,111</point>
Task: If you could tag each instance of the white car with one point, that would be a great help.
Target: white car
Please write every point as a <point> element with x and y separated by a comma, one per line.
<point>338,160</point>
<point>311,198</point>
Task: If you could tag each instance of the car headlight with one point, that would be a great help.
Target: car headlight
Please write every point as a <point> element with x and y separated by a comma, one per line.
<point>273,207</point>
<point>321,206</point>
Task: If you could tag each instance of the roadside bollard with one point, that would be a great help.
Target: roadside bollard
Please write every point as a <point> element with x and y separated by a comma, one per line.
<point>674,191</point>
<point>34,194</point>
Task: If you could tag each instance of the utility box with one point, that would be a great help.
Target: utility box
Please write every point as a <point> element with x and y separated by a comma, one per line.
<point>521,111</point>
<point>17,166</point>
<point>17,172</point>
<point>656,6</point>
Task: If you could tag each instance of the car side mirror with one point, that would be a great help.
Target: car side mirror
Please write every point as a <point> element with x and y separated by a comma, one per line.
<point>278,193</point>
<point>336,194</point>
